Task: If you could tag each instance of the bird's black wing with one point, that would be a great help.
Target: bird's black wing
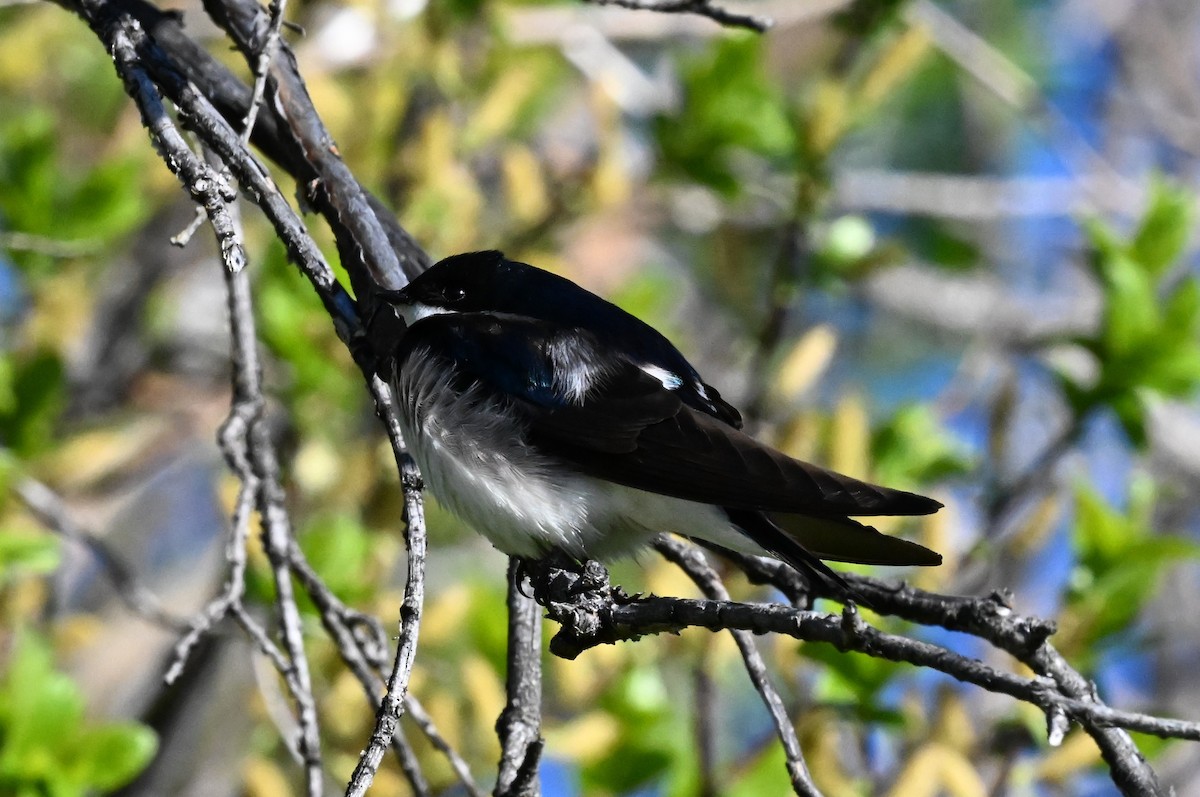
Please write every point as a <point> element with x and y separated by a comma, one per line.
<point>606,417</point>
<point>691,455</point>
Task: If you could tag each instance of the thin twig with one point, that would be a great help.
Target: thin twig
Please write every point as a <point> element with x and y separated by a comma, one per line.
<point>592,613</point>
<point>1008,81</point>
<point>1026,639</point>
<point>51,247</point>
<point>266,52</point>
<point>201,116</point>
<point>420,717</point>
<point>50,509</point>
<point>703,8</point>
<point>267,195</point>
<point>387,719</point>
<point>692,562</point>
<point>246,23</point>
<point>262,64</point>
<point>276,521</point>
<point>363,645</point>
<point>235,556</point>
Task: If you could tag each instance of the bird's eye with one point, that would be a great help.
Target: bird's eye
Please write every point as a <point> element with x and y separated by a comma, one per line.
<point>455,294</point>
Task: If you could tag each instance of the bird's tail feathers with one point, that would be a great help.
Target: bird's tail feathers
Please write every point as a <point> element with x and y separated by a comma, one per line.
<point>761,529</point>
<point>841,539</point>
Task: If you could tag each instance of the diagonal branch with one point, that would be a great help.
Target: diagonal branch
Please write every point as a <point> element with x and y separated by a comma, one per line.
<point>704,8</point>
<point>50,509</point>
<point>691,561</point>
<point>388,266</point>
<point>519,724</point>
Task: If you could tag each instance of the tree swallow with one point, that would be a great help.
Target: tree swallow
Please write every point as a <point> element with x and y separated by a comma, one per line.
<point>548,418</point>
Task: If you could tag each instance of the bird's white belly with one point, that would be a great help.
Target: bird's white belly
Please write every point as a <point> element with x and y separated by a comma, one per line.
<point>524,502</point>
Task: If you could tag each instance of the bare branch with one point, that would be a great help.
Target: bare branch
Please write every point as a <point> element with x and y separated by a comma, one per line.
<point>387,719</point>
<point>202,117</point>
<point>207,187</point>
<point>51,247</point>
<point>276,522</point>
<point>592,612</point>
<point>519,725</point>
<point>50,509</point>
<point>389,266</point>
<point>704,8</point>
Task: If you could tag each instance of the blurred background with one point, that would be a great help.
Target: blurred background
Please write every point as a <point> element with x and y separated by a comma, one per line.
<point>944,246</point>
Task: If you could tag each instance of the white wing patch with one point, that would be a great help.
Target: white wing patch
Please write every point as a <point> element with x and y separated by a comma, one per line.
<point>668,378</point>
<point>574,365</point>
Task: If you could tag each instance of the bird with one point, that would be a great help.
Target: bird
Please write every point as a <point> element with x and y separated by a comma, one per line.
<point>551,420</point>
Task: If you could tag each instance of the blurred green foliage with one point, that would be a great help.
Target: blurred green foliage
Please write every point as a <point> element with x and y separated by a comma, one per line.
<point>31,397</point>
<point>854,683</point>
<point>730,106</point>
<point>47,746</point>
<point>25,553</point>
<point>1148,344</point>
<point>1121,564</point>
<point>912,448</point>
<point>44,193</point>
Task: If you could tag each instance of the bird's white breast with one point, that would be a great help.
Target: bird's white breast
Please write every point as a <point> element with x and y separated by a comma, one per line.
<point>473,460</point>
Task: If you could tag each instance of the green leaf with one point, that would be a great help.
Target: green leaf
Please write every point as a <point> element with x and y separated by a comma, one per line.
<point>46,745</point>
<point>1131,305</point>
<point>938,244</point>
<point>1102,534</point>
<point>1152,746</point>
<point>25,552</point>
<point>1182,312</point>
<point>485,635</point>
<point>632,764</point>
<point>1131,412</point>
<point>1120,562</point>
<point>37,388</point>
<point>39,709</point>
<point>1171,368</point>
<point>729,106</point>
<point>653,737</point>
<point>8,390</point>
<point>854,680</point>
<point>1165,229</point>
<point>1106,245</point>
<point>43,193</point>
<point>768,775</point>
<point>110,756</point>
<point>339,548</point>
<point>298,331</point>
<point>912,447</point>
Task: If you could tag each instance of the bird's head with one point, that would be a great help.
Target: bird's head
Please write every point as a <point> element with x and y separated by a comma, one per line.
<point>481,282</point>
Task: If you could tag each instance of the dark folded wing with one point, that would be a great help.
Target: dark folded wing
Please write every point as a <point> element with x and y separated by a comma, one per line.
<point>694,456</point>
<point>708,400</point>
<point>608,418</point>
